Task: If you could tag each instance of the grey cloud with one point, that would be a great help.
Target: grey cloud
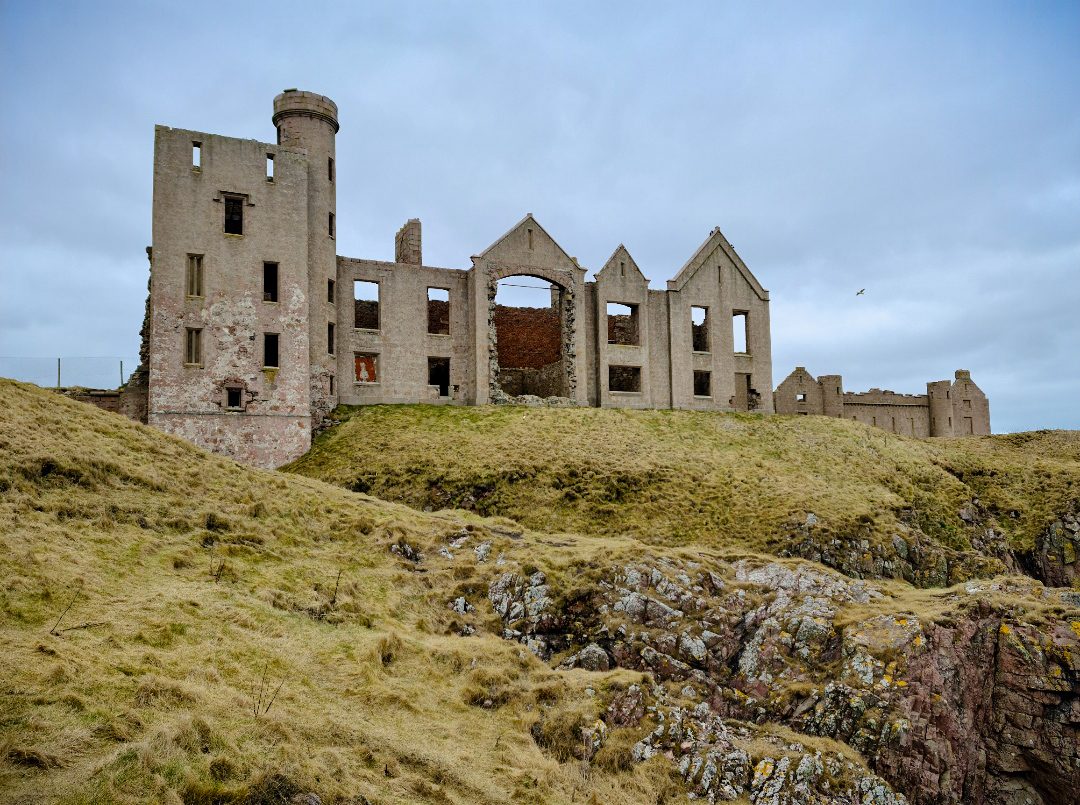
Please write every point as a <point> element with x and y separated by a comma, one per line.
<point>929,152</point>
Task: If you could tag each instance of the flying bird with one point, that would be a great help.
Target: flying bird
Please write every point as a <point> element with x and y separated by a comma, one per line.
<point>860,292</point>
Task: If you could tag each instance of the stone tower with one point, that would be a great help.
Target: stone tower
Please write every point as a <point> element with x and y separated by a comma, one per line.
<point>242,259</point>
<point>308,121</point>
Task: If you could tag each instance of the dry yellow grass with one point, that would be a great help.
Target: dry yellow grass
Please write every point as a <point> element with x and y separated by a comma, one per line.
<point>681,477</point>
<point>198,588</point>
<point>205,587</point>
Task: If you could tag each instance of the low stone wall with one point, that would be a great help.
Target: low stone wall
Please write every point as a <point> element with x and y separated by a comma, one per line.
<point>105,399</point>
<point>547,381</point>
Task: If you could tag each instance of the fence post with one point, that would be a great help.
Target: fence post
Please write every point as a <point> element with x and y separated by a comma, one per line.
<point>58,373</point>
<point>121,371</point>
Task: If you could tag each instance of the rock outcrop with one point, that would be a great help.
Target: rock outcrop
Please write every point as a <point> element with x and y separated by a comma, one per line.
<point>965,695</point>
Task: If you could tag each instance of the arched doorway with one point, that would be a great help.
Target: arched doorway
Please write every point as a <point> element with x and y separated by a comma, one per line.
<point>532,349</point>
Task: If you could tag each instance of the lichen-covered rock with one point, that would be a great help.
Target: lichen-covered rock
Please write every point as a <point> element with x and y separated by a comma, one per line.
<point>525,606</point>
<point>591,658</point>
<point>406,551</point>
<point>627,708</point>
<point>910,556</point>
<point>1056,558</point>
<point>715,758</point>
<point>956,707</point>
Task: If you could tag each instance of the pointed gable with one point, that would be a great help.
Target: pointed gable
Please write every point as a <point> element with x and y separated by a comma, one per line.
<point>706,253</point>
<point>621,265</point>
<point>528,243</point>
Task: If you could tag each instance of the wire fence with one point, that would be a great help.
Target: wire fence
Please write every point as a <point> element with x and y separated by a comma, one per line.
<point>95,371</point>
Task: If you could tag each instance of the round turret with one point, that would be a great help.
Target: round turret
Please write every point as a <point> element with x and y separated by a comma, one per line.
<point>308,122</point>
<point>294,111</point>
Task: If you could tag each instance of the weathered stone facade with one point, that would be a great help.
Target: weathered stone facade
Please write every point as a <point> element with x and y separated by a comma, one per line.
<point>957,408</point>
<point>256,332</point>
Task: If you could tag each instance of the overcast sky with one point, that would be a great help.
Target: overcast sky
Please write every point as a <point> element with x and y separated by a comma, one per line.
<point>929,153</point>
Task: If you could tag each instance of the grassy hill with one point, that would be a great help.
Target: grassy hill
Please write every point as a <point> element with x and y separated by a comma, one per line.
<point>179,628</point>
<point>725,481</point>
<point>192,589</point>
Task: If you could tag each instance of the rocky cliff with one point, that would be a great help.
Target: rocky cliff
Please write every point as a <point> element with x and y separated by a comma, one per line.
<point>971,694</point>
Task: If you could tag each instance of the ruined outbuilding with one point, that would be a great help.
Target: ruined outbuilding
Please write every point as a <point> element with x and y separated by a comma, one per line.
<point>258,328</point>
<point>949,408</point>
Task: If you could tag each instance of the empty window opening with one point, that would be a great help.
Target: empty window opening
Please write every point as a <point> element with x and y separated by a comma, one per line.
<point>912,421</point>
<point>366,367</point>
<point>196,155</point>
<point>624,378</point>
<point>270,282</point>
<point>330,224</point>
<point>234,398</point>
<point>331,385</point>
<point>438,311</point>
<point>800,397</point>
<point>894,424</point>
<point>279,135</point>
<point>193,347</point>
<point>330,168</point>
<point>530,238</point>
<point>702,384</point>
<point>739,333</point>
<point>329,338</point>
<point>967,405</point>
<point>873,421</point>
<point>269,167</point>
<point>969,426</point>
<point>330,291</point>
<point>234,215</point>
<point>699,326</point>
<point>438,370</point>
<point>366,305</point>
<point>622,324</point>
<point>530,323</point>
<point>270,350</point>
<point>622,268</point>
<point>194,285</point>
<point>950,423</point>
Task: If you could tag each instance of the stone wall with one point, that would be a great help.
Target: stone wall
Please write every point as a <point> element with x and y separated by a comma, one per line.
<point>105,399</point>
<point>438,316</point>
<point>622,329</point>
<point>528,337</point>
<point>907,419</point>
<point>401,337</point>
<point>547,381</point>
<point>947,409</point>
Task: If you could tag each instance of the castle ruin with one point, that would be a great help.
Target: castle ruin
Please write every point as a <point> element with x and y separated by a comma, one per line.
<point>957,408</point>
<point>257,328</point>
